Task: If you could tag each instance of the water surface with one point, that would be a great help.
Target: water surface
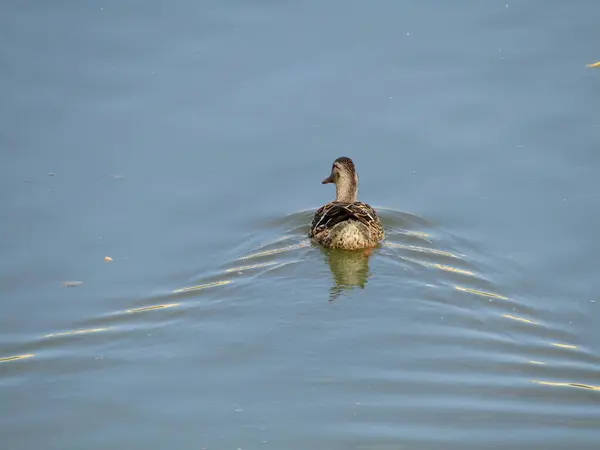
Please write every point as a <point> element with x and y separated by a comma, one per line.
<point>187,142</point>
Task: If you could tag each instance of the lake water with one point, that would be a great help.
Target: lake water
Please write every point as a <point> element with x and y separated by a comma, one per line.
<point>186,141</point>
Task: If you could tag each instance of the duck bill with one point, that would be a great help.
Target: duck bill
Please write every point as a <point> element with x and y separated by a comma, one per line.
<point>329,179</point>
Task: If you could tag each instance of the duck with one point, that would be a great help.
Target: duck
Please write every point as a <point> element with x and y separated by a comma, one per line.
<point>346,223</point>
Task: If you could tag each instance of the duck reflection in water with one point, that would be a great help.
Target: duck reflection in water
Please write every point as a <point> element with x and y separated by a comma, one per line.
<point>350,269</point>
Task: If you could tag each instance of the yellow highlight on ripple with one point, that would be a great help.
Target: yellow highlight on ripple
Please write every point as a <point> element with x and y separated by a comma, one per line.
<point>482,293</point>
<point>16,357</point>
<point>419,235</point>
<point>440,266</point>
<point>251,266</point>
<point>563,345</point>
<point>75,332</point>
<point>454,269</point>
<point>416,248</point>
<point>276,250</point>
<point>519,319</point>
<point>201,286</point>
<point>575,385</point>
<point>152,308</point>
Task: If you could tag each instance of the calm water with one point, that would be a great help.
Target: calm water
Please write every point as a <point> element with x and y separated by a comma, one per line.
<point>187,141</point>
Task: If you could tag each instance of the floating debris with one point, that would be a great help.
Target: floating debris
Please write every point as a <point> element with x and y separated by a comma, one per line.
<point>108,259</point>
<point>596,64</point>
<point>71,283</point>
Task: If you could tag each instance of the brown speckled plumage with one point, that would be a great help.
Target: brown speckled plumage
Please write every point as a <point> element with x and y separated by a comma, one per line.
<point>346,223</point>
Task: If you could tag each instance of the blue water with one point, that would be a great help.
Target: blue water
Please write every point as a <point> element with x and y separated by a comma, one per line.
<point>187,141</point>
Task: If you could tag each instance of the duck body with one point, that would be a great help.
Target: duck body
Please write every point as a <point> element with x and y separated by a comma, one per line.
<point>346,223</point>
<point>348,226</point>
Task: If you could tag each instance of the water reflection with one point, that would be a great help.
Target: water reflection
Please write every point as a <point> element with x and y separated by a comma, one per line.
<point>350,269</point>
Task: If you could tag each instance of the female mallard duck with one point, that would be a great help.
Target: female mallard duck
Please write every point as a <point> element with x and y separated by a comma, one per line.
<point>346,223</point>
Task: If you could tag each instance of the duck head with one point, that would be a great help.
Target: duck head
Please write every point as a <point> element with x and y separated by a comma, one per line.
<point>343,174</point>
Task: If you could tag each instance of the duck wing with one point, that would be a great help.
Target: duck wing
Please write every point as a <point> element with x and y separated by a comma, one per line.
<point>333,213</point>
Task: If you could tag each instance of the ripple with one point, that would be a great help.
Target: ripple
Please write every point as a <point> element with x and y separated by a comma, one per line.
<point>469,337</point>
<point>16,357</point>
<point>564,384</point>
<point>151,308</point>
<point>202,286</point>
<point>76,332</point>
<point>481,293</point>
<point>519,319</point>
<point>275,251</point>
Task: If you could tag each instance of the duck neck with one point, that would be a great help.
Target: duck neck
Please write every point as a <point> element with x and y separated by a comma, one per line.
<point>346,190</point>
